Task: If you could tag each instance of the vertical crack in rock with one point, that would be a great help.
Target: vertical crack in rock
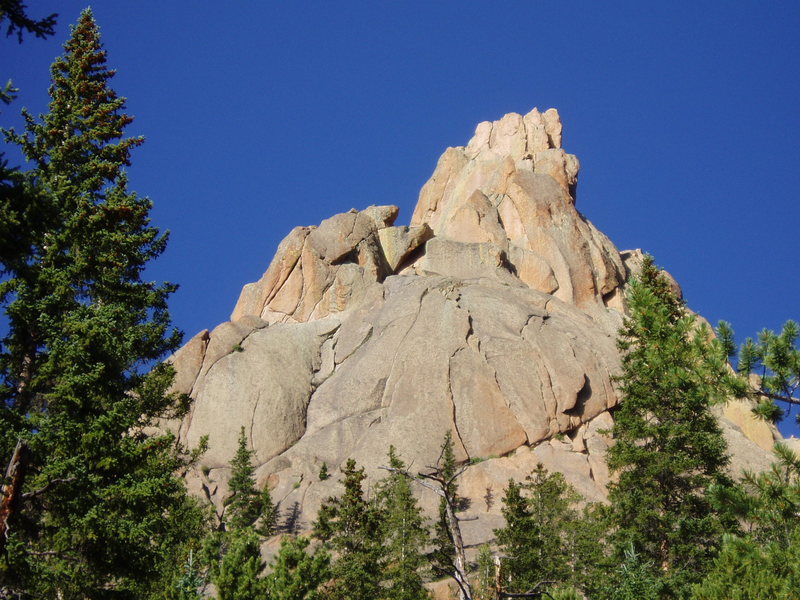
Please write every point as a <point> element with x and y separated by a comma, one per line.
<point>551,402</point>
<point>206,341</point>
<point>252,423</point>
<point>400,346</point>
<point>452,400</point>
<point>296,264</point>
<point>316,381</point>
<point>328,285</point>
<point>367,337</point>
<point>186,423</point>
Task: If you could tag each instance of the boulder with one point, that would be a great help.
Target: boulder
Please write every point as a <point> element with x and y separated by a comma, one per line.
<point>493,316</point>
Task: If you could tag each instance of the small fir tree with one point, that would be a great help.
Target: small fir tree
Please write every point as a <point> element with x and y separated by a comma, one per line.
<point>247,506</point>
<point>405,534</point>
<point>296,574</point>
<point>352,526</point>
<point>540,520</point>
<point>239,573</point>
<point>188,585</point>
<point>669,449</point>
<point>635,579</point>
<point>232,552</point>
<point>484,588</point>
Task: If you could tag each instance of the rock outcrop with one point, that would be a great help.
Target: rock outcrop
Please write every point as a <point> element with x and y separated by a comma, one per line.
<point>493,315</point>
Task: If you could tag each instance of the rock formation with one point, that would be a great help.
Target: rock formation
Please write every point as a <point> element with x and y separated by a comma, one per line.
<point>493,315</point>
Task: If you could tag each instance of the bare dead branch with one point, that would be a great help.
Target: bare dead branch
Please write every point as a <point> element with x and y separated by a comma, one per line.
<point>49,484</point>
<point>534,592</point>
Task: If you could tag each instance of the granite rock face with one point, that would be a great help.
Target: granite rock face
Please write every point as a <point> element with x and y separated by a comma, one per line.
<point>493,316</point>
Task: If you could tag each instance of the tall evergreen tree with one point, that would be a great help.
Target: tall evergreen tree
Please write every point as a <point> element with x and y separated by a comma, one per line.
<point>669,448</point>
<point>98,510</point>
<point>352,526</point>
<point>405,533</point>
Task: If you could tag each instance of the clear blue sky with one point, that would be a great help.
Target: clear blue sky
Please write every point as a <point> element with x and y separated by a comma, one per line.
<point>261,116</point>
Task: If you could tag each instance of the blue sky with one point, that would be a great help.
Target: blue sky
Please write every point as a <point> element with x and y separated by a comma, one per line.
<point>261,116</point>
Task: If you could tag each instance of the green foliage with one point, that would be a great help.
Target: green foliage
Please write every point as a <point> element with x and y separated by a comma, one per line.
<point>484,577</point>
<point>296,574</point>
<point>540,520</point>
<point>231,553</point>
<point>188,585</point>
<point>352,527</point>
<point>774,358</point>
<point>405,534</point>
<point>764,561</point>
<point>104,512</point>
<point>239,572</point>
<point>323,472</point>
<point>669,448</point>
<point>749,570</point>
<point>246,505</point>
<point>635,579</point>
<point>565,593</point>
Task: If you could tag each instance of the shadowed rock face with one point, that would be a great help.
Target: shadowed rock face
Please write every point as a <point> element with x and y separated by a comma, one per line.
<point>494,316</point>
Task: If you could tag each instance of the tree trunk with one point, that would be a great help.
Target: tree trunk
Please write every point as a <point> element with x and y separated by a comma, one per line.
<point>12,488</point>
<point>459,560</point>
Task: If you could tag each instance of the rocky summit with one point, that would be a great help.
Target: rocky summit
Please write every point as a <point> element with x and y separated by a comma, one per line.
<point>492,315</point>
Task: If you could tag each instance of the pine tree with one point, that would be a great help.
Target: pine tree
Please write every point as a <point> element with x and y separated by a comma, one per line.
<point>540,518</point>
<point>296,574</point>
<point>247,505</point>
<point>669,448</point>
<point>352,526</point>
<point>484,588</point>
<point>405,533</point>
<point>763,561</point>
<point>747,569</point>
<point>635,579</point>
<point>99,509</point>
<point>769,366</point>
<point>239,574</point>
<point>188,584</point>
